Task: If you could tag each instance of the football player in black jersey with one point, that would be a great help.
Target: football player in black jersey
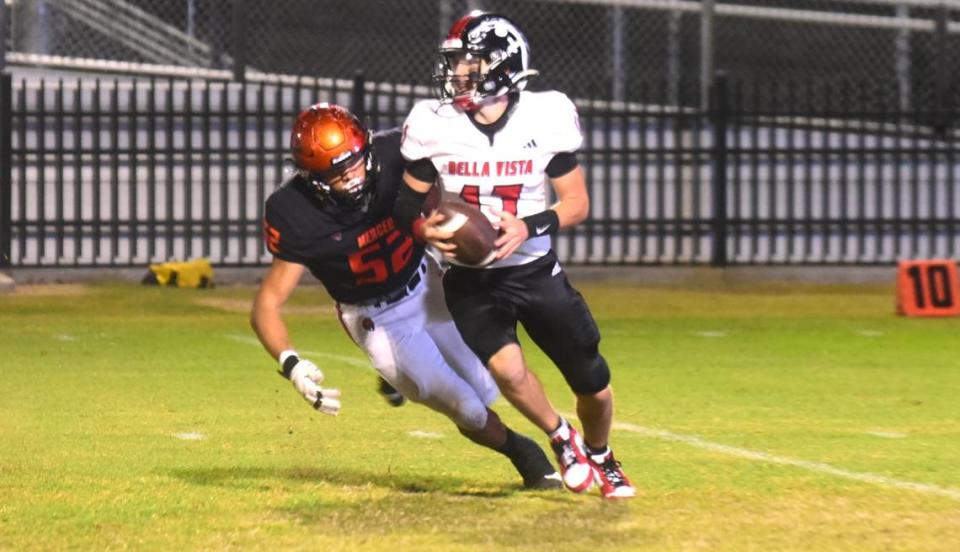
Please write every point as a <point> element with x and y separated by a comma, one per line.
<point>334,218</point>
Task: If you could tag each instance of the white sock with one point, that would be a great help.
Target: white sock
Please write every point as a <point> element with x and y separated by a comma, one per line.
<point>599,457</point>
<point>563,431</point>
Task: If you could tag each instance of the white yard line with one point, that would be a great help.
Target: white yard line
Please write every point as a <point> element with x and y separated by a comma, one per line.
<point>872,478</point>
<point>352,361</point>
<point>425,434</point>
<point>711,334</point>
<point>887,434</point>
<point>190,436</point>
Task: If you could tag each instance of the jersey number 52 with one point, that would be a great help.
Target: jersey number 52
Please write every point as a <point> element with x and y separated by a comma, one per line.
<point>369,264</point>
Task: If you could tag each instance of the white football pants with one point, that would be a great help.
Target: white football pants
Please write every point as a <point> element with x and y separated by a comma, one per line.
<point>414,344</point>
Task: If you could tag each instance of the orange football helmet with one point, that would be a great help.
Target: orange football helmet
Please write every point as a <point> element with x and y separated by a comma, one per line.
<point>329,144</point>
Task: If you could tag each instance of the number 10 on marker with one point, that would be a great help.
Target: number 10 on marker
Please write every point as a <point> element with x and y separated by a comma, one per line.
<point>928,288</point>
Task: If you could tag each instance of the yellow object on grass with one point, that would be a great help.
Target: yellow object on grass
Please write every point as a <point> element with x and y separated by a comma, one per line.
<point>197,273</point>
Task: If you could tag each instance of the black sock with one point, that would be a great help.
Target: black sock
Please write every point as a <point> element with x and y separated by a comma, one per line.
<point>509,447</point>
<point>526,456</point>
<point>596,451</point>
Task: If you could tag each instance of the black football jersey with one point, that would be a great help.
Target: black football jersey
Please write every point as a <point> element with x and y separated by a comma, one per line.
<point>357,256</point>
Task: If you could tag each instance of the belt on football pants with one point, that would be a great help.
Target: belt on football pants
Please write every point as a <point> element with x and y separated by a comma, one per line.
<point>398,294</point>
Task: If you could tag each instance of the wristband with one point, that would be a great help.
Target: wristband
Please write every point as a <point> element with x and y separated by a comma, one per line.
<point>288,359</point>
<point>539,224</point>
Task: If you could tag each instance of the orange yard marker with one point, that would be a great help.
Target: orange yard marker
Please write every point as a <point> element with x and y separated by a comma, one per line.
<point>928,288</point>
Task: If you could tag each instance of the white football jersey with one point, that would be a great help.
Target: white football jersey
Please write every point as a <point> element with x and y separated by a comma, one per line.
<point>505,172</point>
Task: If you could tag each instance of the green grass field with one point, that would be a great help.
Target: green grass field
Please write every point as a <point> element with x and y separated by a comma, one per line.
<point>776,417</point>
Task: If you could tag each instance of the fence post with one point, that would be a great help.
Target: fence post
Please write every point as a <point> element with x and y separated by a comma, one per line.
<point>707,11</point>
<point>718,113</point>
<point>358,103</point>
<point>941,76</point>
<point>6,151</point>
<point>6,169</point>
<point>4,26</point>
<point>239,47</point>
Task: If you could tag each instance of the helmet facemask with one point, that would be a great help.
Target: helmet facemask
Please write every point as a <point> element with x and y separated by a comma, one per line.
<point>348,184</point>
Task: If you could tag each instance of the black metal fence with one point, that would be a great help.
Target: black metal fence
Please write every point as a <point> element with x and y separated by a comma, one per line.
<point>124,172</point>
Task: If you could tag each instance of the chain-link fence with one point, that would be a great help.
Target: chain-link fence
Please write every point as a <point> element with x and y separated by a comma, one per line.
<point>637,50</point>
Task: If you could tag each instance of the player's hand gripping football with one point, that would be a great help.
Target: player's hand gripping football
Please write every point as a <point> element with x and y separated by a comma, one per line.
<point>513,232</point>
<point>432,233</point>
<point>306,378</point>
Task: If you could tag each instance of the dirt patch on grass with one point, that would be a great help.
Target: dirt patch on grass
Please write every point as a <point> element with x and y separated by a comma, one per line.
<point>243,305</point>
<point>51,289</point>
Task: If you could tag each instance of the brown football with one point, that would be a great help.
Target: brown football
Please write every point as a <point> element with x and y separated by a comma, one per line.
<point>472,233</point>
<point>431,201</point>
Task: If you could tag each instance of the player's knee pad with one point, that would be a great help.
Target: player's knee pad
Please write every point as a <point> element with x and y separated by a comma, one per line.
<point>590,377</point>
<point>471,416</point>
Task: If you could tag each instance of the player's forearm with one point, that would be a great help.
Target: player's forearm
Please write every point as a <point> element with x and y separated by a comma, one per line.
<point>573,202</point>
<point>571,213</point>
<point>270,328</point>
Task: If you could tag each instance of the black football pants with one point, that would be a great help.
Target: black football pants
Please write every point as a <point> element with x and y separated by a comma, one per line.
<point>486,305</point>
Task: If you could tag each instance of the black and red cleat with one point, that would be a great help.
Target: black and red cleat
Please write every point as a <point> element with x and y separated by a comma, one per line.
<point>574,467</point>
<point>609,475</point>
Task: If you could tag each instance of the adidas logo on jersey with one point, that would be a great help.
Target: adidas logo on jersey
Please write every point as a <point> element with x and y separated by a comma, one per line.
<point>531,144</point>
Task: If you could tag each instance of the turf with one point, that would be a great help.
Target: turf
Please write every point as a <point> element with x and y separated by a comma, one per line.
<point>147,418</point>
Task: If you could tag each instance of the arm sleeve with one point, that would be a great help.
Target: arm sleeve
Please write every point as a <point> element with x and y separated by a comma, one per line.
<point>561,164</point>
<point>406,210</point>
<point>423,169</point>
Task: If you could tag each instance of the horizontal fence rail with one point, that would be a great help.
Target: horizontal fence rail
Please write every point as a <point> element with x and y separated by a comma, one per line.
<point>128,171</point>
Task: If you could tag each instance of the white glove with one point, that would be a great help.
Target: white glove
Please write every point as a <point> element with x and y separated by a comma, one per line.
<point>306,378</point>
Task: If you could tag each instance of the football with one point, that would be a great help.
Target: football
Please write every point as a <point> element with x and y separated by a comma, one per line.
<point>472,233</point>
<point>431,201</point>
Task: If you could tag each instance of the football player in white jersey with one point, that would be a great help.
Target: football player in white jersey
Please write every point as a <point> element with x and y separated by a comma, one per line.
<point>494,145</point>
